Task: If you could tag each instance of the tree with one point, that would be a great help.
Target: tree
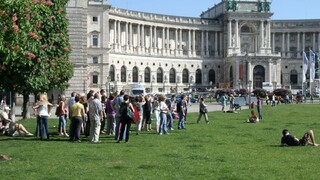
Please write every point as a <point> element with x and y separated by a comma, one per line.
<point>34,47</point>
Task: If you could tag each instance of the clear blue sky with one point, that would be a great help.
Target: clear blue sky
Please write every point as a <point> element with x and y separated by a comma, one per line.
<point>282,9</point>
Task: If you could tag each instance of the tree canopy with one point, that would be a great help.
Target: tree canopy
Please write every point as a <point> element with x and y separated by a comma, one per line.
<point>34,46</point>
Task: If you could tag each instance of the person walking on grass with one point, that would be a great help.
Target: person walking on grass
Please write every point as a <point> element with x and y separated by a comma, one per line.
<point>181,107</point>
<point>164,110</point>
<point>203,111</point>
<point>223,101</point>
<point>259,107</point>
<point>95,112</point>
<point>290,140</point>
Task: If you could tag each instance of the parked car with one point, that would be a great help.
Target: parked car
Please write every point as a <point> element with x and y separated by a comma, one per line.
<point>194,100</point>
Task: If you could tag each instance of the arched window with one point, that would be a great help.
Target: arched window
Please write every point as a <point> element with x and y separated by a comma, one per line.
<point>147,75</point>
<point>293,77</point>
<point>135,74</point>
<point>212,77</point>
<point>112,73</point>
<point>185,76</point>
<point>172,76</point>
<point>245,29</point>
<point>198,76</point>
<point>159,75</point>
<point>123,74</point>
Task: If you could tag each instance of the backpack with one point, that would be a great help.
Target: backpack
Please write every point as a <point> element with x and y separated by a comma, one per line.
<point>130,113</point>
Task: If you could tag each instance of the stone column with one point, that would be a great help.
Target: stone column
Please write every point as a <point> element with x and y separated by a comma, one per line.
<point>176,42</point>
<point>142,40</point>
<point>119,37</point>
<point>202,44</point>
<point>221,49</point>
<point>229,34</point>
<point>189,42</point>
<point>155,45</point>
<point>303,41</point>
<point>168,41</point>
<point>164,46</point>
<point>270,69</point>
<point>115,43</point>
<point>237,42</point>
<point>314,41</point>
<point>207,44</point>
<point>150,41</point>
<point>261,34</point>
<point>249,75</point>
<point>126,44</point>
<point>298,45</point>
<point>216,40</point>
<point>273,42</point>
<point>269,34</point>
<point>318,42</point>
<point>180,39</point>
<point>288,44</point>
<point>138,39</point>
<point>130,39</point>
<point>283,48</point>
<point>194,43</point>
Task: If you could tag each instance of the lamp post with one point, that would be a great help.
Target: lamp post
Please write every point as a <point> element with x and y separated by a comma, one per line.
<point>239,83</point>
<point>152,81</point>
<point>249,93</point>
<point>274,83</point>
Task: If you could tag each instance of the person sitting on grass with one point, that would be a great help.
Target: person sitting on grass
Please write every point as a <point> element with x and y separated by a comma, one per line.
<point>9,128</point>
<point>290,140</point>
<point>253,118</point>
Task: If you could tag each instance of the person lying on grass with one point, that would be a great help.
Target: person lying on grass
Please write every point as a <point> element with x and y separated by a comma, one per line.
<point>290,140</point>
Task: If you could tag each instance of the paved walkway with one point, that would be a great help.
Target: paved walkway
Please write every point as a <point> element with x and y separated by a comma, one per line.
<point>193,107</point>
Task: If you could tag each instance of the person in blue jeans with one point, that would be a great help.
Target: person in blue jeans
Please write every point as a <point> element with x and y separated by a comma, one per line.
<point>164,110</point>
<point>259,107</point>
<point>181,106</point>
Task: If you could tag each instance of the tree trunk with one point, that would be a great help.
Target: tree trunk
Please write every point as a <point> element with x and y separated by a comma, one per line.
<point>25,105</point>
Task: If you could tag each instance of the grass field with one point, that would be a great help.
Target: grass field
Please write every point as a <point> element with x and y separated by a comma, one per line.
<point>227,148</point>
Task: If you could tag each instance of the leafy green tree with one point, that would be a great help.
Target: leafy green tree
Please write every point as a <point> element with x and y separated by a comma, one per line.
<point>34,47</point>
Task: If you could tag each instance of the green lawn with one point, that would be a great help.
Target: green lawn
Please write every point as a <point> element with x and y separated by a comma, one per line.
<point>227,148</point>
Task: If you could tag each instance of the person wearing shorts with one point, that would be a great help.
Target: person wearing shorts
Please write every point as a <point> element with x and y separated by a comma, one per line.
<point>290,140</point>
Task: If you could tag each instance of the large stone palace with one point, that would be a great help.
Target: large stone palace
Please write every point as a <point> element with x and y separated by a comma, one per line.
<point>233,44</point>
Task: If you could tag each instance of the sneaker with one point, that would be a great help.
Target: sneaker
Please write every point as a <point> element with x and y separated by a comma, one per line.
<point>67,135</point>
<point>29,134</point>
<point>171,129</point>
<point>160,133</point>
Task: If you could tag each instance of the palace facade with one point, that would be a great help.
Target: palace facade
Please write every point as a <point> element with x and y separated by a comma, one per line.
<point>233,44</point>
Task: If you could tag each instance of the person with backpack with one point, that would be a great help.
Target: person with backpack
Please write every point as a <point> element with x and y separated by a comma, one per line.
<point>181,106</point>
<point>126,118</point>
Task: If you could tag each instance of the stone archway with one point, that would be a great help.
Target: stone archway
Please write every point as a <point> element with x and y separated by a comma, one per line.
<point>258,76</point>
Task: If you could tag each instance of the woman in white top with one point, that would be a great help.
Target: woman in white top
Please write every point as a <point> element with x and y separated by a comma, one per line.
<point>164,110</point>
<point>43,108</point>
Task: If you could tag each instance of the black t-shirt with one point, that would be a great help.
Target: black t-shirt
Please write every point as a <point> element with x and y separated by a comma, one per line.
<point>289,140</point>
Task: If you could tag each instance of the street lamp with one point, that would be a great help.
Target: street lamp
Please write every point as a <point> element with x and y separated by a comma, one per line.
<point>239,83</point>
<point>164,83</point>
<point>249,93</point>
<point>152,81</point>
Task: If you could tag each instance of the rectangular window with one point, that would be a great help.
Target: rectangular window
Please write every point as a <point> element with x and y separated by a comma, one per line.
<point>95,19</point>
<point>95,79</point>
<point>95,60</point>
<point>95,40</point>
